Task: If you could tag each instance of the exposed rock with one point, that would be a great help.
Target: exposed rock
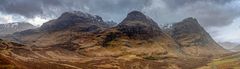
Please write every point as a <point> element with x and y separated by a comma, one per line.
<point>137,25</point>
<point>74,21</point>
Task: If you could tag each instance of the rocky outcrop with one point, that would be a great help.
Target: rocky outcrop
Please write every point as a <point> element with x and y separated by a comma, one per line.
<point>137,25</point>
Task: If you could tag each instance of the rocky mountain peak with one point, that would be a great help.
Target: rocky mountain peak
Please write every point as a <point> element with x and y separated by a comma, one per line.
<point>136,15</point>
<point>79,16</point>
<point>75,19</point>
<point>188,25</point>
<point>137,18</point>
<point>75,14</point>
<point>190,19</point>
<point>138,24</point>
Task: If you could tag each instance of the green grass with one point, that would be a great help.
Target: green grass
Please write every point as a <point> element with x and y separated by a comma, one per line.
<point>7,67</point>
<point>227,59</point>
<point>231,61</point>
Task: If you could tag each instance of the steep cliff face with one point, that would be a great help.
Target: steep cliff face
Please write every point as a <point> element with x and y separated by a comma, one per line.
<point>193,39</point>
<point>137,25</point>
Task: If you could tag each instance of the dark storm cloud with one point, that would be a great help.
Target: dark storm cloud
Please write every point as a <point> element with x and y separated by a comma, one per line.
<point>178,3</point>
<point>109,9</point>
<point>208,12</point>
<point>28,8</point>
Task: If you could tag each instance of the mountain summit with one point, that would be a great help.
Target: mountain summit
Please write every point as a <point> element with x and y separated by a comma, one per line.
<point>76,21</point>
<point>137,18</point>
<point>193,38</point>
<point>139,25</point>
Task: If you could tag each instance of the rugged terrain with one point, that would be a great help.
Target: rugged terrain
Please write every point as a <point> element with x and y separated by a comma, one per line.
<point>78,40</point>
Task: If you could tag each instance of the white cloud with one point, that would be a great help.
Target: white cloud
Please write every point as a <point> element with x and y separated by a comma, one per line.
<point>37,21</point>
<point>5,18</point>
<point>230,33</point>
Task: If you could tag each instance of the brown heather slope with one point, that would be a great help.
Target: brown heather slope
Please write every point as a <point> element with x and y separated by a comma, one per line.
<point>6,62</point>
<point>78,40</point>
<point>17,56</point>
<point>228,61</point>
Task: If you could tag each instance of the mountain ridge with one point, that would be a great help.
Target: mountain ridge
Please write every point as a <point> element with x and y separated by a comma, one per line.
<point>82,40</point>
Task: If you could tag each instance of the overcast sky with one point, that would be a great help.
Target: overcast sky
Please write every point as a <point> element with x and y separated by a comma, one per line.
<point>221,18</point>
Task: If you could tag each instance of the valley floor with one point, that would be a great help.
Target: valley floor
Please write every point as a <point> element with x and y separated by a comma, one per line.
<point>230,61</point>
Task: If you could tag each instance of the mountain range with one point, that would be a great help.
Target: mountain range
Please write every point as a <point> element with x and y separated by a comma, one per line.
<point>78,40</point>
<point>237,48</point>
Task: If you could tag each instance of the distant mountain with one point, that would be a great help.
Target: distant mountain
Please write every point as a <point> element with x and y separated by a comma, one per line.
<point>237,48</point>
<point>228,45</point>
<point>11,28</point>
<point>111,23</point>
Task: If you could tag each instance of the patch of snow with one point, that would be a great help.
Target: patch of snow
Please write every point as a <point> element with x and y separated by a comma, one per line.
<point>166,26</point>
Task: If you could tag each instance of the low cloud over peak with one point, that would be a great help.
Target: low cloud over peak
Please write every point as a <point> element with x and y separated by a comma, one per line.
<point>210,13</point>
